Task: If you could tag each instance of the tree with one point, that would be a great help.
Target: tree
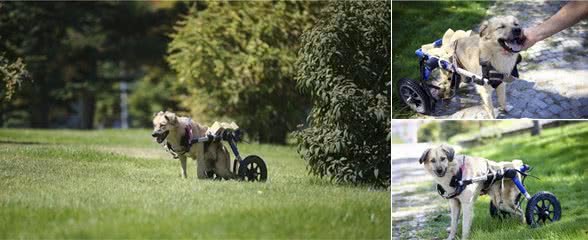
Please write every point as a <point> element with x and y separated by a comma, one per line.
<point>344,66</point>
<point>76,52</point>
<point>237,61</point>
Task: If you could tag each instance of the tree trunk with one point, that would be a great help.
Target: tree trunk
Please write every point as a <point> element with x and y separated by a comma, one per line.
<point>39,108</point>
<point>87,111</point>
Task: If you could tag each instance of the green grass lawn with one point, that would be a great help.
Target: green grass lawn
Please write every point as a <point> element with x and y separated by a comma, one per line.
<point>560,159</point>
<point>121,184</point>
<point>418,23</point>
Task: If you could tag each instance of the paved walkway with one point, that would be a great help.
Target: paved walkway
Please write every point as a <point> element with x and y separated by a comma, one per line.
<point>554,72</point>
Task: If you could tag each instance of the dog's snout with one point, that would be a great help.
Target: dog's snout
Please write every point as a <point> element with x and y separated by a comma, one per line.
<point>439,171</point>
<point>154,134</point>
<point>516,31</point>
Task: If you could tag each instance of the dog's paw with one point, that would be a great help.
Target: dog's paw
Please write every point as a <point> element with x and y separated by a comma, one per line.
<point>508,108</point>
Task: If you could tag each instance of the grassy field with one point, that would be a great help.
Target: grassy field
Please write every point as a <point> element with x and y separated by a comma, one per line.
<point>560,159</point>
<point>418,23</point>
<point>121,184</point>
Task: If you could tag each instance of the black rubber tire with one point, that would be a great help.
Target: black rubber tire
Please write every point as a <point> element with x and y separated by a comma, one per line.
<point>252,169</point>
<point>421,104</point>
<point>494,212</point>
<point>542,208</point>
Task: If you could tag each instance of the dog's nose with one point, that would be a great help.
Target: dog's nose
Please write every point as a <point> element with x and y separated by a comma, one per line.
<point>439,171</point>
<point>154,134</point>
<point>516,31</point>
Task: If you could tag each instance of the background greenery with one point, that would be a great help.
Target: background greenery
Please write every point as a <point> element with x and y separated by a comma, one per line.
<point>417,23</point>
<point>344,65</point>
<point>558,158</point>
<point>121,184</point>
<point>238,60</point>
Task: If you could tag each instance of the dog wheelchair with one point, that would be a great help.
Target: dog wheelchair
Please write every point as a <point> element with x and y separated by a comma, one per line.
<point>419,96</point>
<point>542,208</point>
<point>251,168</point>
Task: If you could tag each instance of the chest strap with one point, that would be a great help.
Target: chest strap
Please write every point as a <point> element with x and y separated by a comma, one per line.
<point>491,76</point>
<point>455,183</point>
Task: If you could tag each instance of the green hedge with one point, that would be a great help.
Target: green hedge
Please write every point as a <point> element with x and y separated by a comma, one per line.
<point>344,65</point>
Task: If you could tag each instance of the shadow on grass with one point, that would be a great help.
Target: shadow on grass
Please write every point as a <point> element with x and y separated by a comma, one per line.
<point>22,142</point>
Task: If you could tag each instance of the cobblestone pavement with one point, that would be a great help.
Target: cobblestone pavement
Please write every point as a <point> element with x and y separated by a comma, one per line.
<point>554,72</point>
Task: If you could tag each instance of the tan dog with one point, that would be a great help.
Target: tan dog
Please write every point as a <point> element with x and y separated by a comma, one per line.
<point>441,163</point>
<point>210,157</point>
<point>498,43</point>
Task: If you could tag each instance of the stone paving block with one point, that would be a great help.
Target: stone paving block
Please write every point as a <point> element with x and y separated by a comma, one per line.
<point>541,95</point>
<point>566,115</point>
<point>548,100</point>
<point>546,114</point>
<point>565,105</point>
<point>555,109</point>
<point>558,97</point>
<point>539,103</point>
<point>515,113</point>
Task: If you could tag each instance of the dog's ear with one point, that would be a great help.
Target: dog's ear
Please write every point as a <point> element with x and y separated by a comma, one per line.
<point>483,28</point>
<point>171,118</point>
<point>424,156</point>
<point>448,151</point>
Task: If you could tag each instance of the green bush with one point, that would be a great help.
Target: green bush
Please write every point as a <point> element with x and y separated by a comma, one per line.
<point>429,132</point>
<point>237,60</point>
<point>344,65</point>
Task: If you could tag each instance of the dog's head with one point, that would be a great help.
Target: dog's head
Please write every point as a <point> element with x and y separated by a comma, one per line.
<point>437,160</point>
<point>162,123</point>
<point>503,32</point>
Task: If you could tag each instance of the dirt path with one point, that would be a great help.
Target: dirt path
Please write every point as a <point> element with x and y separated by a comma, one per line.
<point>413,195</point>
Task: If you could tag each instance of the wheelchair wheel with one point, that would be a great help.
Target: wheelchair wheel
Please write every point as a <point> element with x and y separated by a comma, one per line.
<point>414,96</point>
<point>252,169</point>
<point>495,213</point>
<point>542,208</point>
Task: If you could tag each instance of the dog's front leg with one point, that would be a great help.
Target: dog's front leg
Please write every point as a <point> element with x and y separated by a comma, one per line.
<point>486,95</point>
<point>468,216</point>
<point>183,161</point>
<point>455,207</point>
<point>501,93</point>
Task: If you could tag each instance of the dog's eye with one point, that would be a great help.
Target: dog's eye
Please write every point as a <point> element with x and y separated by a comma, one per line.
<point>433,161</point>
<point>500,27</point>
<point>442,159</point>
<point>516,24</point>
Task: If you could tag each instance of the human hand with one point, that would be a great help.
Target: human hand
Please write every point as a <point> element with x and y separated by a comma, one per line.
<point>531,37</point>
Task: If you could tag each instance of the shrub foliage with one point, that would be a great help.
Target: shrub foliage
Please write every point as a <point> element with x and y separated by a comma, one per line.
<point>11,76</point>
<point>344,65</point>
<point>237,60</point>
